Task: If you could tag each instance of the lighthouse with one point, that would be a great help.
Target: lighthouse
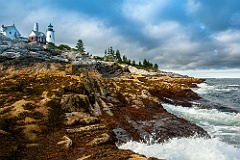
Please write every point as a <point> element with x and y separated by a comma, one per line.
<point>50,34</point>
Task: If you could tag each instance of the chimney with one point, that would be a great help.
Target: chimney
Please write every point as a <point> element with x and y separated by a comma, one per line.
<point>35,27</point>
<point>3,28</point>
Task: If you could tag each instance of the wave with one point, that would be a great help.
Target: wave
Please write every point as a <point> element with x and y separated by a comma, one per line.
<point>233,85</point>
<point>204,88</point>
<point>222,93</point>
<point>186,149</point>
<point>223,128</point>
<point>229,89</point>
<point>203,116</point>
<point>224,125</point>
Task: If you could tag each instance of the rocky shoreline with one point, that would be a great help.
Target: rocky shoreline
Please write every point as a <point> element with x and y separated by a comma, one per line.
<point>69,106</point>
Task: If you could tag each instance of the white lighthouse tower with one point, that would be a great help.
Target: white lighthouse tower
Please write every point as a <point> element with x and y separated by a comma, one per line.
<point>50,34</point>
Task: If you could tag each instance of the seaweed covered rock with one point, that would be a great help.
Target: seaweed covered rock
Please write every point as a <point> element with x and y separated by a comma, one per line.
<point>49,112</point>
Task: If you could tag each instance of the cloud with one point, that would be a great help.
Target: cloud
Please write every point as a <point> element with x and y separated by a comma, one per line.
<point>235,19</point>
<point>229,36</point>
<point>96,34</point>
<point>230,40</point>
<point>193,6</point>
<point>215,15</point>
<point>195,44</point>
<point>143,11</point>
<point>164,30</point>
<point>189,34</point>
<point>179,51</point>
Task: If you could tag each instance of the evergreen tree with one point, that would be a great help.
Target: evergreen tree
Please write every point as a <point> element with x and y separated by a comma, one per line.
<point>145,63</point>
<point>150,65</point>
<point>129,61</point>
<point>118,56</point>
<point>155,67</point>
<point>105,55</point>
<point>80,46</point>
<point>111,52</point>
<point>133,63</point>
<point>125,59</point>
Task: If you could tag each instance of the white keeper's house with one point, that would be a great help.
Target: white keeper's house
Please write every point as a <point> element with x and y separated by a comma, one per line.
<point>10,31</point>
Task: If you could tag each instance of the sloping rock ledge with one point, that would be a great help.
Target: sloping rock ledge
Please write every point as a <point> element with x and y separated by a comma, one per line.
<point>59,110</point>
<point>47,112</point>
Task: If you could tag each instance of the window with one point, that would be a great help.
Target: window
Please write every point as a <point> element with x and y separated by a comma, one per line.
<point>10,32</point>
<point>50,36</point>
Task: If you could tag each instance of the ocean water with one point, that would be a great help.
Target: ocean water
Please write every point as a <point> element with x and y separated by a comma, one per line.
<point>221,91</point>
<point>222,124</point>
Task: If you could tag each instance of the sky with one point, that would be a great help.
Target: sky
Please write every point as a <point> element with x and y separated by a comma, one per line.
<point>199,38</point>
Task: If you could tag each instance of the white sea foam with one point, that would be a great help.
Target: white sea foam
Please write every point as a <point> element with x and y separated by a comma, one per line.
<point>233,85</point>
<point>210,116</point>
<point>203,88</point>
<point>226,89</point>
<point>224,125</point>
<point>186,149</point>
